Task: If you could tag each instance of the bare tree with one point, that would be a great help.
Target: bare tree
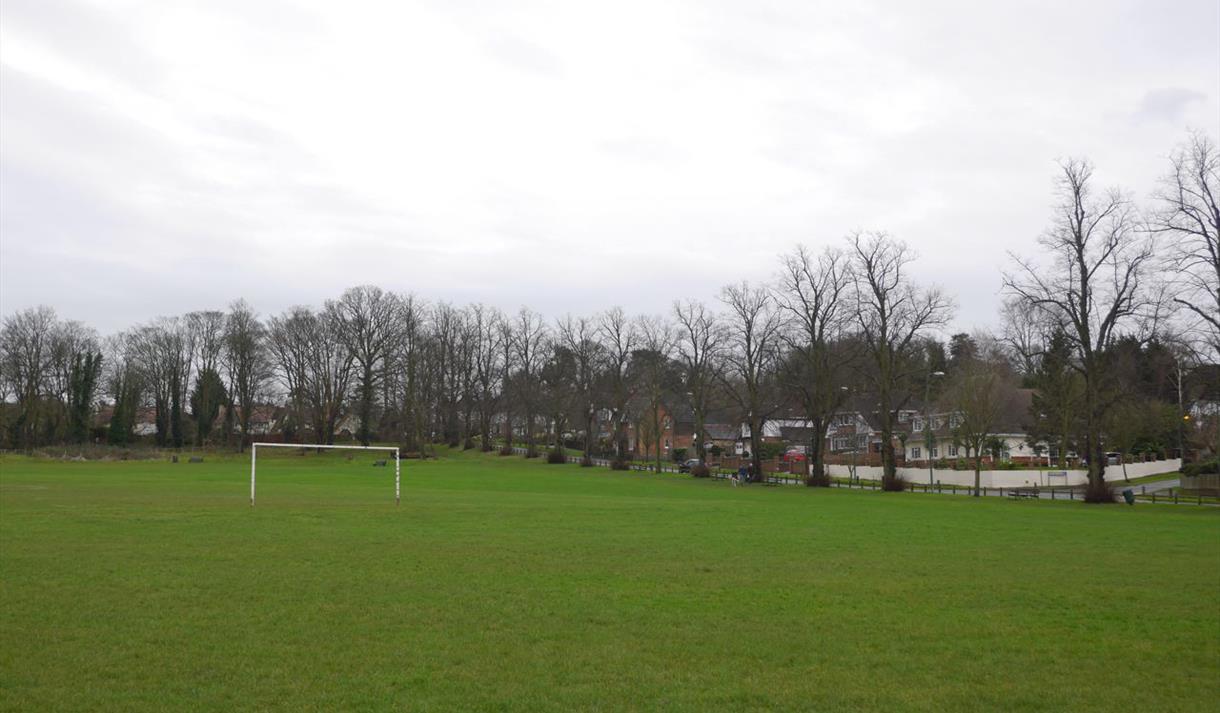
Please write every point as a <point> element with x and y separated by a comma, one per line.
<point>485,323</point>
<point>557,378</point>
<point>530,350</point>
<point>466,374</point>
<point>507,340</point>
<point>447,333</point>
<point>656,375</point>
<point>207,331</point>
<point>245,357</point>
<point>164,350</point>
<point>75,357</point>
<point>1189,212</point>
<point>752,327</point>
<point>618,339</point>
<point>892,314</point>
<point>124,387</point>
<point>698,344</point>
<point>207,337</point>
<point>1094,285</point>
<point>1023,335</point>
<point>409,369</point>
<point>579,336</point>
<point>977,396</point>
<point>315,364</point>
<point>367,317</point>
<point>26,365</point>
<point>812,293</point>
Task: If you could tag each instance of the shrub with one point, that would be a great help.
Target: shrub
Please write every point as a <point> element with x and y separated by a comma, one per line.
<point>767,451</point>
<point>895,484</point>
<point>814,480</point>
<point>679,455</point>
<point>700,470</point>
<point>555,455</point>
<point>586,461</point>
<point>531,452</point>
<point>619,464</point>
<point>1202,467</point>
<point>506,450</point>
<point>1098,492</point>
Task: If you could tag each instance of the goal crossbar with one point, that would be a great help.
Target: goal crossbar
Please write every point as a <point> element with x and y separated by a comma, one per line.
<point>254,459</point>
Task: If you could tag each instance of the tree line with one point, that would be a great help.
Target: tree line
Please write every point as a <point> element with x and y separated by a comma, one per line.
<point>1116,314</point>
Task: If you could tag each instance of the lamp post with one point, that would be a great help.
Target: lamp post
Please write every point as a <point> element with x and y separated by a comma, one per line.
<point>927,421</point>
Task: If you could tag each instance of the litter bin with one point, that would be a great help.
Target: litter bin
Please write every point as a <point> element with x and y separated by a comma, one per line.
<point>1129,496</point>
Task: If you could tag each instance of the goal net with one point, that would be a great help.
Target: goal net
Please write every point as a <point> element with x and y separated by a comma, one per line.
<point>309,446</point>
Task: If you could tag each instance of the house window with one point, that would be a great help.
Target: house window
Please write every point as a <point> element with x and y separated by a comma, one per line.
<point>952,451</point>
<point>934,452</point>
<point>915,452</point>
<point>955,420</point>
<point>904,416</point>
<point>918,425</point>
<point>843,419</point>
<point>862,440</point>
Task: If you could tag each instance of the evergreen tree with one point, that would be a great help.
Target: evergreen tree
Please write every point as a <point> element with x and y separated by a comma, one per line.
<point>177,437</point>
<point>82,387</point>
<point>126,388</point>
<point>1057,397</point>
<point>206,400</point>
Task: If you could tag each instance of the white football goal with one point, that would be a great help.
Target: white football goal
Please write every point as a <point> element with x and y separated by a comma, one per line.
<point>254,461</point>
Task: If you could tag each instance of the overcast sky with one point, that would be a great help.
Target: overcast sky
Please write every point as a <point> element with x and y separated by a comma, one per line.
<point>160,157</point>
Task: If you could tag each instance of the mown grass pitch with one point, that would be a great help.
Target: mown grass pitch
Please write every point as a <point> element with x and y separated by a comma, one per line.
<point>501,584</point>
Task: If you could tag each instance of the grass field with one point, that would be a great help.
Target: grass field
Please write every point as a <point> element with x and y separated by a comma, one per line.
<point>501,584</point>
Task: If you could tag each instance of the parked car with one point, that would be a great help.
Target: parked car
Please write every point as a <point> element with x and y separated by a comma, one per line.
<point>686,465</point>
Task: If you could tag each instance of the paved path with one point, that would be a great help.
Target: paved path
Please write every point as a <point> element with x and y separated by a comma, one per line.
<point>1153,487</point>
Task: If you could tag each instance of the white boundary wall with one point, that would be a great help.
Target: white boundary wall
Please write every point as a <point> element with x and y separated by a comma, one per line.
<point>1011,478</point>
<point>254,460</point>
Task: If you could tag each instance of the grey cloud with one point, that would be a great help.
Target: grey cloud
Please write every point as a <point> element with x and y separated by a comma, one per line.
<point>1168,104</point>
<point>524,55</point>
<point>112,220</point>
<point>643,148</point>
<point>86,34</point>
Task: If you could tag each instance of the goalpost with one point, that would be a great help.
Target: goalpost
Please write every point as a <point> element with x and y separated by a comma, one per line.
<point>254,460</point>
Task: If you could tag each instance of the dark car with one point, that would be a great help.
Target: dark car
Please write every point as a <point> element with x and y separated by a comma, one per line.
<point>686,465</point>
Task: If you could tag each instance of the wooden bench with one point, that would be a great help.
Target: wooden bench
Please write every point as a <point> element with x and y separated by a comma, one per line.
<point>1018,494</point>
